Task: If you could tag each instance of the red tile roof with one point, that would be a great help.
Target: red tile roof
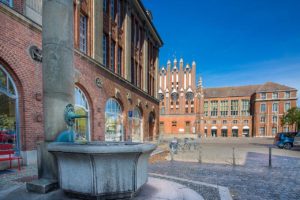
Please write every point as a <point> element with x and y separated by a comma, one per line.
<point>242,91</point>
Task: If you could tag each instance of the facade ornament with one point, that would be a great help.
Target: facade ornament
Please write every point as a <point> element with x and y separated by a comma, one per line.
<point>99,82</point>
<point>128,95</point>
<point>117,93</point>
<point>36,53</point>
<point>139,103</point>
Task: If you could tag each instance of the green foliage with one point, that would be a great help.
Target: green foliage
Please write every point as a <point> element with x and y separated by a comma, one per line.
<point>6,122</point>
<point>292,117</point>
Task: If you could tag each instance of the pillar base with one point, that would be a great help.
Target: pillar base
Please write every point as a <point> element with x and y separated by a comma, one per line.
<point>42,185</point>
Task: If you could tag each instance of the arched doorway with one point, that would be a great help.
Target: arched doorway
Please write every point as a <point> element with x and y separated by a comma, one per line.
<point>9,110</point>
<point>82,125</point>
<point>113,121</point>
<point>151,121</point>
<point>137,125</point>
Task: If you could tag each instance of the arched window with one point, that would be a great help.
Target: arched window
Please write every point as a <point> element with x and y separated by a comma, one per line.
<point>82,125</point>
<point>113,121</point>
<point>9,110</point>
<point>137,125</point>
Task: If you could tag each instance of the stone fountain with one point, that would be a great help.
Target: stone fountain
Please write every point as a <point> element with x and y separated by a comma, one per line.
<point>96,169</point>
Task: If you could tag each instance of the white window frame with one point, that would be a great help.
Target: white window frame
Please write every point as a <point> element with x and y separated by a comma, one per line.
<point>261,110</point>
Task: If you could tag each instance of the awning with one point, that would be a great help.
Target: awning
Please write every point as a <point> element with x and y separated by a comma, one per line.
<point>224,127</point>
<point>235,127</point>
<point>245,127</point>
<point>214,128</point>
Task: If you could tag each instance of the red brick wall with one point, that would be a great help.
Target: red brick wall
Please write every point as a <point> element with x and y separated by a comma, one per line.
<point>207,120</point>
<point>15,42</point>
<point>268,124</point>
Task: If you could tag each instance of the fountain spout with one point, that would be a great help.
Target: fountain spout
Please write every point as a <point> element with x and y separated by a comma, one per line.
<point>70,115</point>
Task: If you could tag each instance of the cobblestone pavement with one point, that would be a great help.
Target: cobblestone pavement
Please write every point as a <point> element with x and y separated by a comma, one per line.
<point>13,177</point>
<point>244,182</point>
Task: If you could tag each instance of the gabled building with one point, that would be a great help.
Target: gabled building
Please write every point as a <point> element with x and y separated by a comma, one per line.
<point>177,95</point>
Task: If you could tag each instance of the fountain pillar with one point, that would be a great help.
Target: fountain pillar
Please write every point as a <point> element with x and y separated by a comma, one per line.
<point>58,82</point>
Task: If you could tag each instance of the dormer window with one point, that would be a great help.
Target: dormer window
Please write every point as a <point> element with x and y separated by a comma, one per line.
<point>287,95</point>
<point>275,95</point>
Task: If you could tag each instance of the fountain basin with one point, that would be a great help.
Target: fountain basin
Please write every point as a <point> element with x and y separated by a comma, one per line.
<point>102,169</point>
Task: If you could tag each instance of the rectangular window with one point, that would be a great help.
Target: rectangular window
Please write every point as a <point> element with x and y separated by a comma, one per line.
<point>262,131</point>
<point>132,71</point>
<point>287,106</point>
<point>205,108</point>
<point>287,95</point>
<point>174,123</point>
<point>234,121</point>
<point>275,107</point>
<point>275,95</point>
<point>262,119</point>
<point>224,108</point>
<point>214,108</point>
<point>162,110</point>
<point>274,119</point>
<point>274,131</point>
<point>245,107</point>
<point>192,110</point>
<point>262,107</point>
<point>120,14</point>
<point>246,122</point>
<point>263,95</point>
<point>119,71</point>
<point>112,56</point>
<point>234,107</point>
<point>186,110</point>
<point>214,122</point>
<point>112,9</point>
<point>286,129</point>
<point>105,6</point>
<point>104,44</point>
<point>7,2</point>
<point>224,122</point>
<point>83,33</point>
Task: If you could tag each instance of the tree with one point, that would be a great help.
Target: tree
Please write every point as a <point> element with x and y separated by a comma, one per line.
<point>292,117</point>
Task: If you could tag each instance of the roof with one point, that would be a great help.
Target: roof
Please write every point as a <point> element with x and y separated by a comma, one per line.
<point>271,86</point>
<point>242,91</point>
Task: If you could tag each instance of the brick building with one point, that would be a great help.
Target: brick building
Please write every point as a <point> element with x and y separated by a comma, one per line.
<point>177,94</point>
<point>116,64</point>
<point>243,111</point>
<point>253,110</point>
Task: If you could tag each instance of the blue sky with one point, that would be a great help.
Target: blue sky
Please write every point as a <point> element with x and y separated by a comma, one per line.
<point>234,42</point>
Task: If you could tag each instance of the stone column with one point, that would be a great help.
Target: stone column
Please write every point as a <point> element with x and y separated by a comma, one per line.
<point>98,30</point>
<point>145,62</point>
<point>58,78</point>
<point>128,43</point>
<point>156,64</point>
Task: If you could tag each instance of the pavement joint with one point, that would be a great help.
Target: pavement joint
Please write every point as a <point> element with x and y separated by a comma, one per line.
<point>223,191</point>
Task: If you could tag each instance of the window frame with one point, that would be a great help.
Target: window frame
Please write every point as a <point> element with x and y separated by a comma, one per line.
<point>83,32</point>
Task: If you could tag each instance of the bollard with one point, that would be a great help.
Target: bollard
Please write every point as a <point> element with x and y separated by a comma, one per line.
<point>270,157</point>
<point>199,155</point>
<point>233,157</point>
<point>172,155</point>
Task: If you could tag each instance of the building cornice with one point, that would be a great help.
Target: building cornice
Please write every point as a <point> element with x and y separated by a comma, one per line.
<point>278,99</point>
<point>139,5</point>
<point>20,18</point>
